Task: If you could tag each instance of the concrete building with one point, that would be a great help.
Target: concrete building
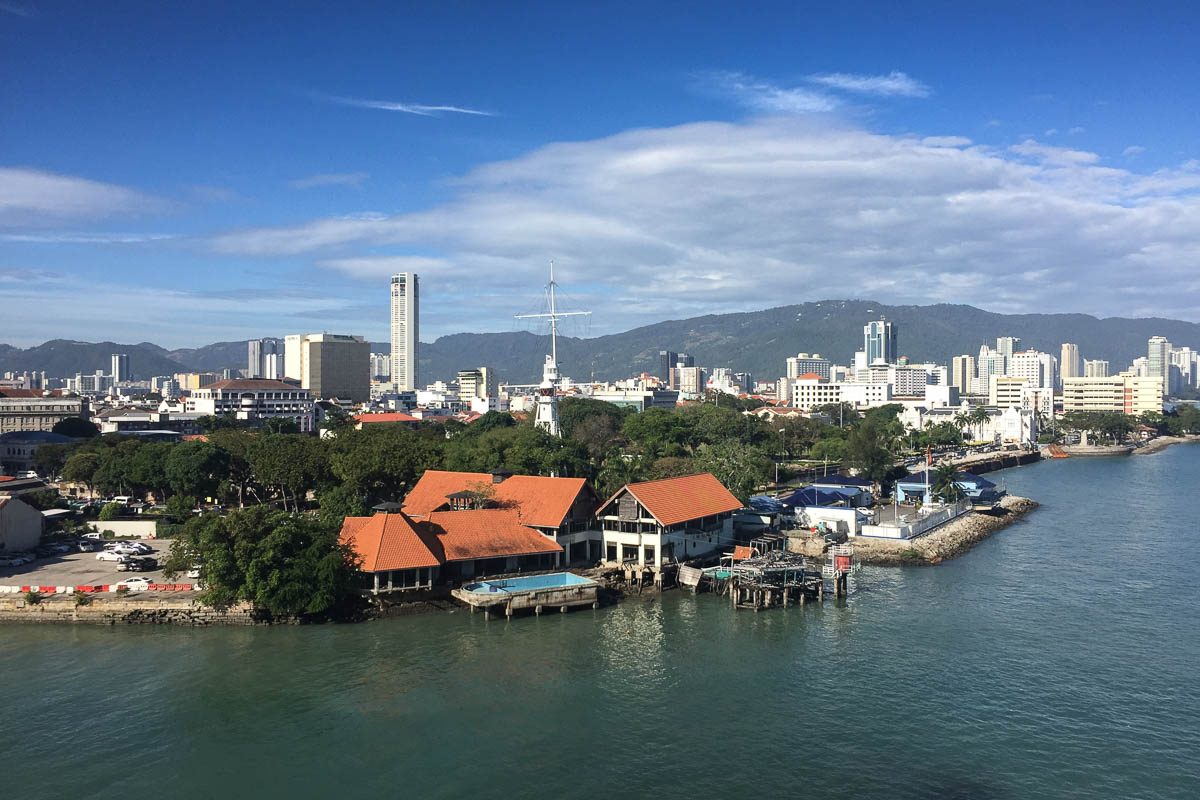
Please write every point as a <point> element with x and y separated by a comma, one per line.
<point>879,342</point>
<point>666,362</point>
<point>1127,394</point>
<point>803,364</point>
<point>962,371</point>
<point>689,380</point>
<point>1097,368</point>
<point>381,367</point>
<point>638,399</point>
<point>265,359</point>
<point>1007,345</point>
<point>991,362</point>
<point>1187,362</point>
<point>1069,363</point>
<point>31,410</point>
<point>120,367</point>
<point>812,391</point>
<point>406,309</point>
<point>330,365</point>
<point>254,400</point>
<point>1159,360</point>
<point>195,380</point>
<point>1040,369</point>
<point>480,382</point>
<point>20,524</point>
<point>17,449</point>
<point>1005,391</point>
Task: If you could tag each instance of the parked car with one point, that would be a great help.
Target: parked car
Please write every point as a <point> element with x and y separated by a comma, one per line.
<point>135,584</point>
<point>94,536</point>
<point>109,555</point>
<point>141,547</point>
<point>87,546</point>
<point>136,564</point>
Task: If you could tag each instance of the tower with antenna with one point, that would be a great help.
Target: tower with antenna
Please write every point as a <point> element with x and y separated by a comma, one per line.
<point>547,397</point>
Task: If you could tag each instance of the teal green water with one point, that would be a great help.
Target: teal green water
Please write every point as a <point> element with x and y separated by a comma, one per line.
<point>1057,659</point>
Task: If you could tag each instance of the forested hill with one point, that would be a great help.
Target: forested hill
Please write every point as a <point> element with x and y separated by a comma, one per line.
<point>757,341</point>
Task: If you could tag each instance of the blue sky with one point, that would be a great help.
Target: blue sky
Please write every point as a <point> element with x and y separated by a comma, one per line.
<point>192,173</point>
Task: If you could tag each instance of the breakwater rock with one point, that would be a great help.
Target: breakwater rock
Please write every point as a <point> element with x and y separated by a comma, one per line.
<point>954,538</point>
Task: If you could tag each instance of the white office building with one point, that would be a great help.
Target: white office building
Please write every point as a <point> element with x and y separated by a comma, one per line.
<point>120,367</point>
<point>1040,369</point>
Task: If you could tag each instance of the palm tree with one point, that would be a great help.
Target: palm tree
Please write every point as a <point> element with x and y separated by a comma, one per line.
<point>980,416</point>
<point>962,420</point>
<point>944,486</point>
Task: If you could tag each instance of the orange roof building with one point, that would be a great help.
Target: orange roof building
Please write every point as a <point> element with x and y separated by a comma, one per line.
<point>404,552</point>
<point>547,503</point>
<point>656,522</point>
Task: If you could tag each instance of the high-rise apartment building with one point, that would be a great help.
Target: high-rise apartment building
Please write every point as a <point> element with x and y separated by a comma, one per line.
<point>481,382</point>
<point>1159,359</point>
<point>120,367</point>
<point>381,366</point>
<point>962,371</point>
<point>1069,363</point>
<point>405,331</point>
<point>1007,345</point>
<point>666,362</point>
<point>879,342</point>
<point>1096,368</point>
<point>263,357</point>
<point>1040,369</point>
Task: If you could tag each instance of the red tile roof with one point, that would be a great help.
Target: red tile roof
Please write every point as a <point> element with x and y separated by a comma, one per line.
<point>675,500</point>
<point>390,541</point>
<point>741,552</point>
<point>391,417</point>
<point>808,376</point>
<point>487,533</point>
<point>14,393</point>
<point>543,502</point>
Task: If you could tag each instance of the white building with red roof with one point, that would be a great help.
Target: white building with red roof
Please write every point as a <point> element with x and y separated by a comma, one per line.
<point>253,399</point>
<point>674,519</point>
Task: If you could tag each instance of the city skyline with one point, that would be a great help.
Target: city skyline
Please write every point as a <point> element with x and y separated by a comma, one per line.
<point>271,194</point>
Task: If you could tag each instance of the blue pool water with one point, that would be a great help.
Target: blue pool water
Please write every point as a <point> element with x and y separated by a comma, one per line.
<point>553,581</point>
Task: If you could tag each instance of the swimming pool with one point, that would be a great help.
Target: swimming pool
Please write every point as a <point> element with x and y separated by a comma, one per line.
<point>553,581</point>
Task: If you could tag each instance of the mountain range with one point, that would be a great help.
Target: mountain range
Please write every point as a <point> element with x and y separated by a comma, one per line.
<point>754,341</point>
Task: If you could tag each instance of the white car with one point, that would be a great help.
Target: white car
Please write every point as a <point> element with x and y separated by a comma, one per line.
<point>112,555</point>
<point>141,547</point>
<point>135,584</point>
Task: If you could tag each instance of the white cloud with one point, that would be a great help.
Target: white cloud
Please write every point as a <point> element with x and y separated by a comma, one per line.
<point>710,217</point>
<point>330,179</point>
<point>36,197</point>
<point>763,96</point>
<point>1076,130</point>
<point>1051,132</point>
<point>896,84</point>
<point>85,238</point>
<point>1133,150</point>
<point>409,108</point>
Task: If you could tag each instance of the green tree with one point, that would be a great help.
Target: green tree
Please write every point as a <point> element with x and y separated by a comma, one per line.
<point>110,511</point>
<point>77,427</point>
<point>209,423</point>
<point>943,485</point>
<point>81,468</point>
<point>290,464</point>
<point>657,432</point>
<point>196,468</point>
<point>50,458</point>
<point>740,468</point>
<point>281,425</point>
<point>148,469</point>
<point>180,507</point>
<point>383,461</point>
<point>337,502</point>
<point>867,450</point>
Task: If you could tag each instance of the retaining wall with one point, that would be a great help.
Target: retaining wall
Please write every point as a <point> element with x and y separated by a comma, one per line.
<point>141,528</point>
<point>130,611</point>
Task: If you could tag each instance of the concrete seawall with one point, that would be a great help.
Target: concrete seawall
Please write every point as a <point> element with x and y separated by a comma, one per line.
<point>952,539</point>
<point>133,610</point>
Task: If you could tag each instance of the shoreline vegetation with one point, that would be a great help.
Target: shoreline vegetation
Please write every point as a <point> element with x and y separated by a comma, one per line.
<point>1160,443</point>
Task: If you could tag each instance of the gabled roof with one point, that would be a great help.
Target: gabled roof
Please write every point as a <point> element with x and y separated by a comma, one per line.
<point>388,417</point>
<point>390,541</point>
<point>675,500</point>
<point>486,533</point>
<point>809,376</point>
<point>543,502</point>
<point>15,393</point>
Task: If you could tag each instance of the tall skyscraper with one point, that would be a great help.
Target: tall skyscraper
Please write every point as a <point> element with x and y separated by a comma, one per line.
<point>666,362</point>
<point>1097,368</point>
<point>120,367</point>
<point>1159,355</point>
<point>1069,363</point>
<point>405,319</point>
<point>879,342</point>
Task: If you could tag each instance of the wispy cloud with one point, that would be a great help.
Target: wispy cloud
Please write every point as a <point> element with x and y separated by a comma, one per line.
<point>1051,131</point>
<point>330,179</point>
<point>16,10</point>
<point>368,267</point>
<point>1076,130</point>
<point>35,197</point>
<point>407,108</point>
<point>894,84</point>
<point>1133,150</point>
<point>761,95</point>
<point>85,238</point>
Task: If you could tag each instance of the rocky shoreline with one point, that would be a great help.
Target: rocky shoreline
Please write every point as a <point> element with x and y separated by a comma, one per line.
<point>952,539</point>
<point>1163,442</point>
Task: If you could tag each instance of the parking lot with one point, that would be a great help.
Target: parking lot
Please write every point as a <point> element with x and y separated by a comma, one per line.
<point>82,569</point>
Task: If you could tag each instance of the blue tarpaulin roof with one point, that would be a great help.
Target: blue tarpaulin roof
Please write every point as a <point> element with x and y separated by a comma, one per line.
<point>959,477</point>
<point>837,479</point>
<point>812,496</point>
<point>766,503</point>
